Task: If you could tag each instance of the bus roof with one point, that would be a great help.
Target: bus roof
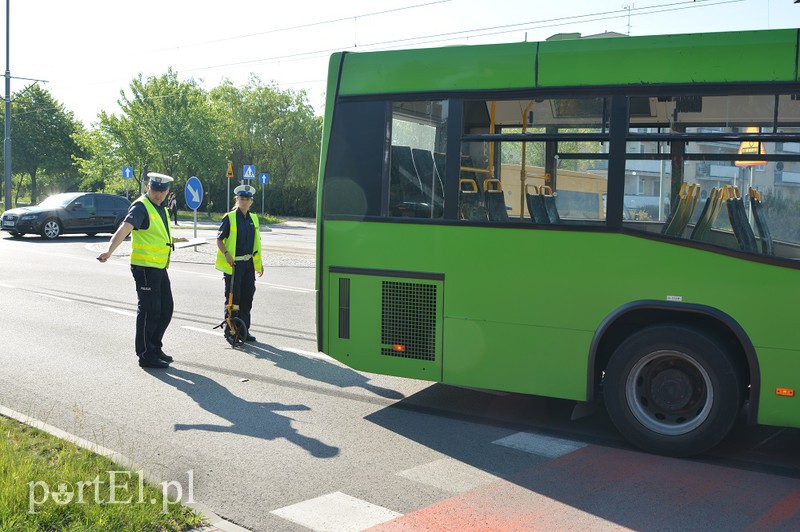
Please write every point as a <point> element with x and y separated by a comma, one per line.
<point>750,56</point>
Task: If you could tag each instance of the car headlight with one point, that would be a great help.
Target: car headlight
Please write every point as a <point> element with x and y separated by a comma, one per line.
<point>28,217</point>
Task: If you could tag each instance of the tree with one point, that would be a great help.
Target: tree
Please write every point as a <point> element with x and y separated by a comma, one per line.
<point>168,125</point>
<point>276,130</point>
<point>43,140</point>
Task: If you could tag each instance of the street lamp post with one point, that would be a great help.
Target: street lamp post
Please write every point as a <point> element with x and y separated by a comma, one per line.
<point>7,139</point>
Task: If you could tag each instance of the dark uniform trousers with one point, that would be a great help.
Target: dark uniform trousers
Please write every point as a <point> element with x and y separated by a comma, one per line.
<point>244,288</point>
<point>154,311</point>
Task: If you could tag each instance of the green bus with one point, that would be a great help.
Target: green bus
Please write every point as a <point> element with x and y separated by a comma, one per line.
<point>611,220</point>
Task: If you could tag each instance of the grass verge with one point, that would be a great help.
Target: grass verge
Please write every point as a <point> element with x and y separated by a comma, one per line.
<point>50,484</point>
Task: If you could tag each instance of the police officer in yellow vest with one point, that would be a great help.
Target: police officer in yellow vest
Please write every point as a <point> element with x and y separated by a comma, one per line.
<point>151,245</point>
<point>239,247</point>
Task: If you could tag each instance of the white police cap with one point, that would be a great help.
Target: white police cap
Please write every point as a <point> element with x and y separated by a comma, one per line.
<point>244,190</point>
<point>160,182</point>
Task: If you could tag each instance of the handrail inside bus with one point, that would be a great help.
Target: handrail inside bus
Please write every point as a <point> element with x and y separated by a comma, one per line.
<point>523,172</point>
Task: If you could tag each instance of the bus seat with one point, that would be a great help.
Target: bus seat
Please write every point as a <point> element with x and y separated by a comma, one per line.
<point>682,211</point>
<point>432,186</point>
<point>406,194</point>
<point>470,206</point>
<point>708,215</point>
<point>467,172</point>
<point>767,246</point>
<point>549,200</point>
<point>536,206</point>
<point>495,200</point>
<point>738,218</point>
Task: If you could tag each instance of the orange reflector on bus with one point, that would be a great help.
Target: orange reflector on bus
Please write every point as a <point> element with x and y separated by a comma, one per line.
<point>786,392</point>
<point>400,348</point>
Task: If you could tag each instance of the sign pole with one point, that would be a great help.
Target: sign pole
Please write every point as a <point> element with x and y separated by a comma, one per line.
<point>263,179</point>
<point>228,177</point>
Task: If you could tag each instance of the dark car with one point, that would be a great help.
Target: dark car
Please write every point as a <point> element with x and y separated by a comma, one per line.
<point>71,212</point>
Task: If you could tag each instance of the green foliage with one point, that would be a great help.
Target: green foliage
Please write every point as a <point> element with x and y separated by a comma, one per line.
<point>43,143</point>
<point>781,213</point>
<point>275,130</point>
<point>175,127</point>
<point>29,456</point>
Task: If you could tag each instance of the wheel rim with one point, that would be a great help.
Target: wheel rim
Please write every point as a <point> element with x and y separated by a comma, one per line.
<point>51,229</point>
<point>669,393</point>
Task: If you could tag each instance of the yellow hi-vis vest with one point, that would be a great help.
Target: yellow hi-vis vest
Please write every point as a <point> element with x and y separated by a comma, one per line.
<point>230,244</point>
<point>152,246</point>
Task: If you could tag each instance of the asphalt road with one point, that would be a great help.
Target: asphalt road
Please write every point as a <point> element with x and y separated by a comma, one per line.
<point>276,436</point>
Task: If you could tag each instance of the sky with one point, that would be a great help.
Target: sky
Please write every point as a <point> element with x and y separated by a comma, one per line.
<point>88,51</point>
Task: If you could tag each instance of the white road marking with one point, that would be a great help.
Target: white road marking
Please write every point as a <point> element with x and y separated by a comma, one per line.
<point>308,354</point>
<point>55,297</point>
<point>123,312</point>
<point>336,512</point>
<point>449,474</point>
<point>4,285</point>
<point>289,288</point>
<point>538,444</point>
<point>205,331</point>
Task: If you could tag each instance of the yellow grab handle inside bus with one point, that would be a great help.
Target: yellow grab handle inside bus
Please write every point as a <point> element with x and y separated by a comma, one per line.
<point>487,183</point>
<point>472,185</point>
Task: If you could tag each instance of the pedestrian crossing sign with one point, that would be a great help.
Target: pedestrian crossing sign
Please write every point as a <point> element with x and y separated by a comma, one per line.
<point>249,171</point>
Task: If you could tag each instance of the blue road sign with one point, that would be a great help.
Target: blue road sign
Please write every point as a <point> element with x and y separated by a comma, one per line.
<point>249,171</point>
<point>127,172</point>
<point>264,178</point>
<point>193,193</point>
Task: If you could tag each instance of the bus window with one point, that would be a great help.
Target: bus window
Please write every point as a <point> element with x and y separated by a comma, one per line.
<point>562,168</point>
<point>700,178</point>
<point>416,177</point>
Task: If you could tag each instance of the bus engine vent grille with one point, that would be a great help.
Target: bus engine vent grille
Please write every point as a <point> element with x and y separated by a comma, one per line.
<point>408,320</point>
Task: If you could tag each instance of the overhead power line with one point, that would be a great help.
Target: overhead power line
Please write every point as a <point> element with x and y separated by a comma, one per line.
<point>481,32</point>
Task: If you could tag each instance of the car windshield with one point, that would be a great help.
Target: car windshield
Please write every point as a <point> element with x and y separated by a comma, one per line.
<point>58,200</point>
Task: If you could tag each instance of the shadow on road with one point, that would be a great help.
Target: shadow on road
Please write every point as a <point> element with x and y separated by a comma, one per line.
<point>258,420</point>
<point>318,369</point>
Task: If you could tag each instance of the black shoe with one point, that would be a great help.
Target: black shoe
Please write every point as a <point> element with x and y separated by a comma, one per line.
<point>152,363</point>
<point>165,357</point>
<point>251,338</point>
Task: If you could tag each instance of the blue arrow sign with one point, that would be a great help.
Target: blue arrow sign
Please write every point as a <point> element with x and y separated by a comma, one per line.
<point>193,193</point>
<point>127,172</point>
<point>249,171</point>
<point>264,178</point>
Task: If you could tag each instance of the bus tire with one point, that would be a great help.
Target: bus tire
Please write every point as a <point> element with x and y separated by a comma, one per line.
<point>672,390</point>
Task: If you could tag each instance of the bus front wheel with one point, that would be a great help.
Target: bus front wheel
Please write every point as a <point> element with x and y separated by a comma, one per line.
<point>673,390</point>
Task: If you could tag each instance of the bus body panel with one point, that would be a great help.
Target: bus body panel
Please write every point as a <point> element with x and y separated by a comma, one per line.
<point>496,292</point>
<point>516,357</point>
<point>678,59</point>
<point>453,69</point>
<point>779,370</point>
<point>723,57</point>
